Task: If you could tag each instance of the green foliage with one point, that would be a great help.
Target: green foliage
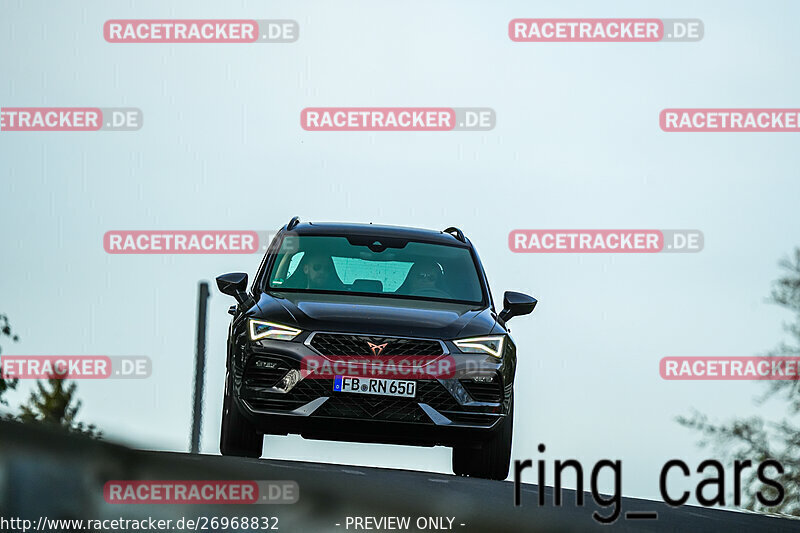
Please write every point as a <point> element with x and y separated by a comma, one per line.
<point>753,438</point>
<point>6,384</point>
<point>53,403</point>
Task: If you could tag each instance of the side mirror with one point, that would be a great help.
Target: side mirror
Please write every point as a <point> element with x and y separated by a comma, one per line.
<point>516,304</point>
<point>234,284</point>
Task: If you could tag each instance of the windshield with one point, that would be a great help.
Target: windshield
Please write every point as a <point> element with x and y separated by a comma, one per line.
<point>379,266</point>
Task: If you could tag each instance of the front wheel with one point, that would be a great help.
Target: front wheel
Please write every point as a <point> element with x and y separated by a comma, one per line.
<point>238,437</point>
<point>488,459</point>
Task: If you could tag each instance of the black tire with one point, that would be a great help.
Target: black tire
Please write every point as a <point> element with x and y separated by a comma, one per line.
<point>238,437</point>
<point>489,459</point>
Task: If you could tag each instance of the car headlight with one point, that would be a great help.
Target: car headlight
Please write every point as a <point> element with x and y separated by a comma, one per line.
<point>493,345</point>
<point>270,330</point>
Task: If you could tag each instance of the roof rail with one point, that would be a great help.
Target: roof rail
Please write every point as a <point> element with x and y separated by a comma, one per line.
<point>457,233</point>
<point>292,223</point>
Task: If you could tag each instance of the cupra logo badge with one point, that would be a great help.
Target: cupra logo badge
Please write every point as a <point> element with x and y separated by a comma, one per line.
<point>377,349</point>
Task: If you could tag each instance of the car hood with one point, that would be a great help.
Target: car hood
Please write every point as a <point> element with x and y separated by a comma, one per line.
<point>376,315</point>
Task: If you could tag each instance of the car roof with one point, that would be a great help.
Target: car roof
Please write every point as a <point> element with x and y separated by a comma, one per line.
<point>340,228</point>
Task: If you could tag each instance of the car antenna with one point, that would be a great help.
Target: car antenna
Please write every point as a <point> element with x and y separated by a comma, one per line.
<point>292,223</point>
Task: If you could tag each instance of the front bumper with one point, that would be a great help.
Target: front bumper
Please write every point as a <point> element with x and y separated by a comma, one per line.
<point>444,411</point>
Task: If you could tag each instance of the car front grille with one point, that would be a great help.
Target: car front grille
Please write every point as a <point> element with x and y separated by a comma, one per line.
<point>362,345</point>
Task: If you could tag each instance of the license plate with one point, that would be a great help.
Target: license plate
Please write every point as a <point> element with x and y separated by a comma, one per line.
<point>384,387</point>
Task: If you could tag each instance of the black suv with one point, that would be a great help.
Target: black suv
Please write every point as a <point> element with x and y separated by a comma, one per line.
<point>318,345</point>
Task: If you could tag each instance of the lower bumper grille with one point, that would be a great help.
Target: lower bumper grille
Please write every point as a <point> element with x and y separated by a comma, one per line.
<point>482,391</point>
<point>360,406</point>
<point>373,408</point>
<point>476,419</point>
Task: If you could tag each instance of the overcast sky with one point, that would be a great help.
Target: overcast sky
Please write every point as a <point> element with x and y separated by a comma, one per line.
<point>576,145</point>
